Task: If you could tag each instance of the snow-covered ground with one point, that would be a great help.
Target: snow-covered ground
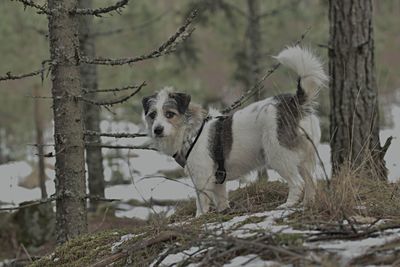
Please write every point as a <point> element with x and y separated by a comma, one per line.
<point>143,169</point>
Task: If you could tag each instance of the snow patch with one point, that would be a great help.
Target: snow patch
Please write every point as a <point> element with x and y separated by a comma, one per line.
<point>252,260</point>
<point>122,240</point>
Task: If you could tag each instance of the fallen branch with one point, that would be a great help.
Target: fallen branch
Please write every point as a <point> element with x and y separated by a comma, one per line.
<point>164,49</point>
<point>259,84</point>
<point>350,235</point>
<point>99,11</point>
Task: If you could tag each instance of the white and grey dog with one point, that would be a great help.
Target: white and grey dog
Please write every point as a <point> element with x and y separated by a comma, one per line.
<point>275,133</point>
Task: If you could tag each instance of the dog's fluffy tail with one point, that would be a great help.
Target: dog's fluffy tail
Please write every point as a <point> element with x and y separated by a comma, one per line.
<point>309,69</point>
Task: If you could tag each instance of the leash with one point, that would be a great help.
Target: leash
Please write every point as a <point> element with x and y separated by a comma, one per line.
<point>178,158</point>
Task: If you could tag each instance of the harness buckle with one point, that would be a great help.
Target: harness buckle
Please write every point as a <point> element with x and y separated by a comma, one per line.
<point>220,176</point>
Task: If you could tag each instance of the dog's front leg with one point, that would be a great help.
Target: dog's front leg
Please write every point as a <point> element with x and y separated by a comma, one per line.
<point>202,203</point>
<point>204,193</point>
<point>221,197</point>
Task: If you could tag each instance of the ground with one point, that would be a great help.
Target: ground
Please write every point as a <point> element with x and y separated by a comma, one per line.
<point>252,233</point>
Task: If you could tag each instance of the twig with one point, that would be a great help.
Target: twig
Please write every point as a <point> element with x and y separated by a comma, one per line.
<point>99,11</point>
<point>115,135</point>
<point>10,76</point>
<point>113,102</point>
<point>165,48</point>
<point>41,9</point>
<point>26,252</point>
<point>258,86</point>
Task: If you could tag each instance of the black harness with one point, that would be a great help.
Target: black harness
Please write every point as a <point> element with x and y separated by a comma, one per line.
<point>217,151</point>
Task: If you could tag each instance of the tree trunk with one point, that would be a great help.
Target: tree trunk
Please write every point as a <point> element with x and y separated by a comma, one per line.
<point>354,99</point>
<point>94,158</point>
<point>253,36</point>
<point>39,141</point>
<point>68,125</point>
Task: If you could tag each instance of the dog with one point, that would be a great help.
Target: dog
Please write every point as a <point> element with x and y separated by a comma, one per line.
<point>279,133</point>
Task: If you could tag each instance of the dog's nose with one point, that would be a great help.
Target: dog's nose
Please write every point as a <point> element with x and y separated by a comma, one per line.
<point>158,130</point>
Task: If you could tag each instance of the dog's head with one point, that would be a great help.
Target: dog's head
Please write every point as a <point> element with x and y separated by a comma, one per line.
<point>165,113</point>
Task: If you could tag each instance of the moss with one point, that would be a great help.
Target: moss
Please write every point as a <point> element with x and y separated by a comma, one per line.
<point>83,250</point>
<point>284,239</point>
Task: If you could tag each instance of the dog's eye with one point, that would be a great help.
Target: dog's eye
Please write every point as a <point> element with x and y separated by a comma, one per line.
<point>152,115</point>
<point>169,114</point>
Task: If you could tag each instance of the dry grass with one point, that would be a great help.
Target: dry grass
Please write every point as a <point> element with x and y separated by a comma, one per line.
<point>258,196</point>
<point>352,193</point>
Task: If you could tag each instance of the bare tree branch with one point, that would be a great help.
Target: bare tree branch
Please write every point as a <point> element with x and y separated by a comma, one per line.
<point>99,11</point>
<point>165,48</point>
<point>113,102</point>
<point>54,198</point>
<point>259,85</point>
<point>10,76</point>
<point>41,9</point>
<point>111,90</point>
<point>115,135</point>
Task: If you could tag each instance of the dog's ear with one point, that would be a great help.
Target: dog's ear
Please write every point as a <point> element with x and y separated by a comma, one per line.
<point>146,103</point>
<point>182,100</point>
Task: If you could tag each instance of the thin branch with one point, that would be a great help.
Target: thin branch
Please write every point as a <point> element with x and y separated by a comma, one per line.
<point>10,76</point>
<point>120,147</point>
<point>115,135</point>
<point>165,48</point>
<point>99,11</point>
<point>259,84</point>
<point>111,90</point>
<point>54,198</point>
<point>41,9</point>
<point>113,102</point>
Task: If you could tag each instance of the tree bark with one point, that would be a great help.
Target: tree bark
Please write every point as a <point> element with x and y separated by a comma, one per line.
<point>94,158</point>
<point>68,125</point>
<point>353,90</point>
<point>39,141</point>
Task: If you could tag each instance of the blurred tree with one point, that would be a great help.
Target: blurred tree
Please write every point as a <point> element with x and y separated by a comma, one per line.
<point>354,99</point>
<point>91,113</point>
<point>39,125</point>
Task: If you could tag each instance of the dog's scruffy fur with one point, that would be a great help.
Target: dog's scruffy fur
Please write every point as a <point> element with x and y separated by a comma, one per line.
<point>277,133</point>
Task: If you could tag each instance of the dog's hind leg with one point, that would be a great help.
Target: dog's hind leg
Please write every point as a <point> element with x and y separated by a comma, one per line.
<point>295,182</point>
<point>309,185</point>
<point>220,197</point>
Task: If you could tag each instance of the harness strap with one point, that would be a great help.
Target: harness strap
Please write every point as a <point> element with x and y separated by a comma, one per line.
<point>220,174</point>
<point>179,158</point>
